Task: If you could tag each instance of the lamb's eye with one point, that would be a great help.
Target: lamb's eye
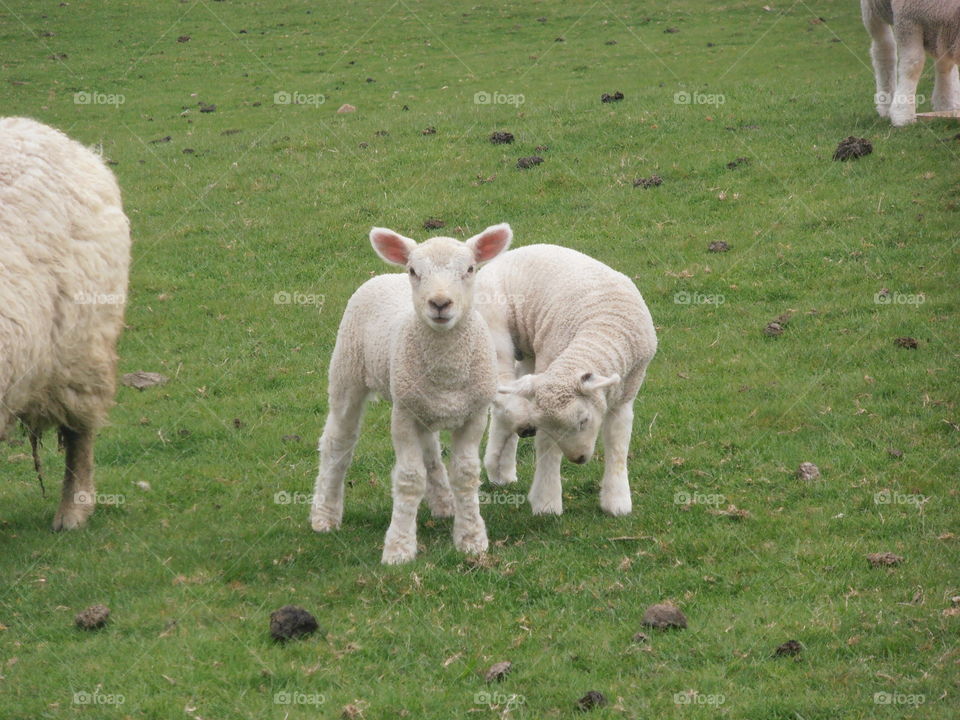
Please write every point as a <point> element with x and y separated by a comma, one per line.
<point>470,270</point>
<point>583,425</point>
<point>413,273</point>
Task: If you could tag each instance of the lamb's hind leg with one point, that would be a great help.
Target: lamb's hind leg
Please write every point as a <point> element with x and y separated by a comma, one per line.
<point>79,497</point>
<point>946,86</point>
<point>439,497</point>
<point>340,434</point>
<point>883,52</point>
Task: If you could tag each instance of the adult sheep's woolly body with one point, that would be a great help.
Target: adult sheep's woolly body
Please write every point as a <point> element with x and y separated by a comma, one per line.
<point>441,380</point>
<point>902,32</point>
<point>64,258</point>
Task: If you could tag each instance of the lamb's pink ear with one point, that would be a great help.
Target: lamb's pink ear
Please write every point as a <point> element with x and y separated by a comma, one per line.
<point>523,386</point>
<point>391,247</point>
<point>591,381</point>
<point>491,242</point>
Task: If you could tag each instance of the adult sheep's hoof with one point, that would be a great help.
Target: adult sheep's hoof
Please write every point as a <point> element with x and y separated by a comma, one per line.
<point>902,116</point>
<point>71,517</point>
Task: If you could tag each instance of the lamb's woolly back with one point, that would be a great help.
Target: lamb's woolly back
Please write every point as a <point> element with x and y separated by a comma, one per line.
<point>64,256</point>
<point>594,320</point>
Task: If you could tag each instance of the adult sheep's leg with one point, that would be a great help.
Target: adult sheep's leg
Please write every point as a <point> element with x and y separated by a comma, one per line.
<point>340,434</point>
<point>410,440</point>
<point>439,497</point>
<point>79,497</point>
<point>469,530</point>
<point>883,52</point>
<point>946,85</point>
<point>615,487</point>
<point>546,495</point>
<point>903,110</point>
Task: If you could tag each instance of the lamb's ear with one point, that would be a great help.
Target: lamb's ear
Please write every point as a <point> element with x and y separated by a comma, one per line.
<point>491,242</point>
<point>522,386</point>
<point>591,381</point>
<point>391,247</point>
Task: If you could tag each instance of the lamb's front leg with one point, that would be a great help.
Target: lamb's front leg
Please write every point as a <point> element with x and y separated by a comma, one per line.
<point>615,487</point>
<point>469,530</point>
<point>546,493</point>
<point>409,483</point>
<point>439,497</point>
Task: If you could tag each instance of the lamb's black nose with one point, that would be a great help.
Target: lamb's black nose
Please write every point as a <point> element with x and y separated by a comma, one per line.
<point>581,460</point>
<point>441,305</point>
<point>527,431</point>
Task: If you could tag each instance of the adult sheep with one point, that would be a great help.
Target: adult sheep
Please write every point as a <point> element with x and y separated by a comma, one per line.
<point>582,338</point>
<point>64,258</point>
<point>416,340</point>
<point>902,32</point>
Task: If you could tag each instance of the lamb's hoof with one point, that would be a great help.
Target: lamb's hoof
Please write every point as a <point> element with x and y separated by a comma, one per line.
<point>72,517</point>
<point>441,506</point>
<point>472,542</point>
<point>616,504</point>
<point>501,480</point>
<point>883,111</point>
<point>324,521</point>
<point>396,554</point>
<point>546,507</point>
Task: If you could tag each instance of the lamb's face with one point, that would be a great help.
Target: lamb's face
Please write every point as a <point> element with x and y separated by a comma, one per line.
<point>442,270</point>
<point>569,411</point>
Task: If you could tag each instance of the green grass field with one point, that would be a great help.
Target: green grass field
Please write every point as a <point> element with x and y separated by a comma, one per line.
<point>236,210</point>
